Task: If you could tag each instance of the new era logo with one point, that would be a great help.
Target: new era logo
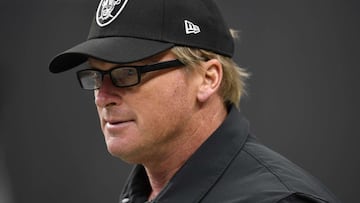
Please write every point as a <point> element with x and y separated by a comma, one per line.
<point>191,28</point>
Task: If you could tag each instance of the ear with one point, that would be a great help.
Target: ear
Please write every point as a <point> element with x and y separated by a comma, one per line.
<point>212,76</point>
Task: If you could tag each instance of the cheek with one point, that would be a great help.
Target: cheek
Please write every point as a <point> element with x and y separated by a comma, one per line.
<point>164,107</point>
<point>166,94</point>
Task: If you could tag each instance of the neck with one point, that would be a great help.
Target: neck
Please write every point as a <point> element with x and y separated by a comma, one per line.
<point>204,123</point>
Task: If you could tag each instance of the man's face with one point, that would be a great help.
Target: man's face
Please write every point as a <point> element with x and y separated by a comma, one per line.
<point>149,120</point>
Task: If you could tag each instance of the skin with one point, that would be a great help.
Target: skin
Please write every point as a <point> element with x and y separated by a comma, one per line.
<point>162,121</point>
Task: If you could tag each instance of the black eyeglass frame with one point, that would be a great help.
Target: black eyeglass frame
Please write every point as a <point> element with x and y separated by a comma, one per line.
<point>140,69</point>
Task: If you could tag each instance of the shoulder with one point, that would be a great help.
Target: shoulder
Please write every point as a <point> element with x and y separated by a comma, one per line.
<point>258,174</point>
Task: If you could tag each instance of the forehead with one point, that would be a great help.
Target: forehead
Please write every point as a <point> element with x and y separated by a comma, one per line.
<point>104,65</point>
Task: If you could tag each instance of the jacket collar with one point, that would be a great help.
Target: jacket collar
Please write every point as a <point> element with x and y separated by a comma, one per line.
<point>202,170</point>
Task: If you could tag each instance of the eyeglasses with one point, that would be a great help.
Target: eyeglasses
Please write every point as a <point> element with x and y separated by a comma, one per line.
<point>121,76</point>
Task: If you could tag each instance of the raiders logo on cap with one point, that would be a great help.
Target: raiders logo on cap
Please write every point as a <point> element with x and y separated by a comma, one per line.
<point>108,10</point>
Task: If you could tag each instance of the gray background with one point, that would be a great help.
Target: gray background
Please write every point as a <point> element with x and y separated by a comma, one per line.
<point>303,96</point>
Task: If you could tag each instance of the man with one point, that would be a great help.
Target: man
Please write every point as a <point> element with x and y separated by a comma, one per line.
<point>167,94</point>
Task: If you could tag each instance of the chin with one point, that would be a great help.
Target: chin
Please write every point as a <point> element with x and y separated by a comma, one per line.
<point>128,156</point>
<point>114,149</point>
<point>118,151</point>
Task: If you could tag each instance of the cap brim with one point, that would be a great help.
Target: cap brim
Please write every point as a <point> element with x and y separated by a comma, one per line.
<point>111,49</point>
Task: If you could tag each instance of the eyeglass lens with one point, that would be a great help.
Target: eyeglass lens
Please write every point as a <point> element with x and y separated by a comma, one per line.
<point>90,79</point>
<point>124,76</point>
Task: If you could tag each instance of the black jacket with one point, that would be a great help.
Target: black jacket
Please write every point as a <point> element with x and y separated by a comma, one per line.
<point>232,167</point>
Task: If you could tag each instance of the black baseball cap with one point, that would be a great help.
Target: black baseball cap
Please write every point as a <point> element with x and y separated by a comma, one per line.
<point>125,31</point>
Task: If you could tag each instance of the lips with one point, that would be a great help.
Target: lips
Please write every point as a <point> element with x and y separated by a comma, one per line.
<point>117,124</point>
<point>115,119</point>
<point>117,128</point>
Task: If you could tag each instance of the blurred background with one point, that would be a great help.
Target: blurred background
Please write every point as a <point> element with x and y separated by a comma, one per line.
<point>303,96</point>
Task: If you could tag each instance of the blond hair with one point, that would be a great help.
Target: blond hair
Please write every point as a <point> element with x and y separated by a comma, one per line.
<point>232,86</point>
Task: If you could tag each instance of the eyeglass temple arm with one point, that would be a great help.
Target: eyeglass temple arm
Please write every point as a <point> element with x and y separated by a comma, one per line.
<point>159,66</point>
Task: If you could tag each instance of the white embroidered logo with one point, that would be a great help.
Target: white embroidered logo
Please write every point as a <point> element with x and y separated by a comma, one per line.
<point>191,28</point>
<point>106,9</point>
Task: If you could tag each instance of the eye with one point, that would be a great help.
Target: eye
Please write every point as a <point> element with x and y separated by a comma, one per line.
<point>124,73</point>
<point>131,72</point>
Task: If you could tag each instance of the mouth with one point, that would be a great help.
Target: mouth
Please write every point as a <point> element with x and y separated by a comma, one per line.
<point>117,123</point>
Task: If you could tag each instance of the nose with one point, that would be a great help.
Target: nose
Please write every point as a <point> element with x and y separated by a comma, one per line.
<point>107,94</point>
